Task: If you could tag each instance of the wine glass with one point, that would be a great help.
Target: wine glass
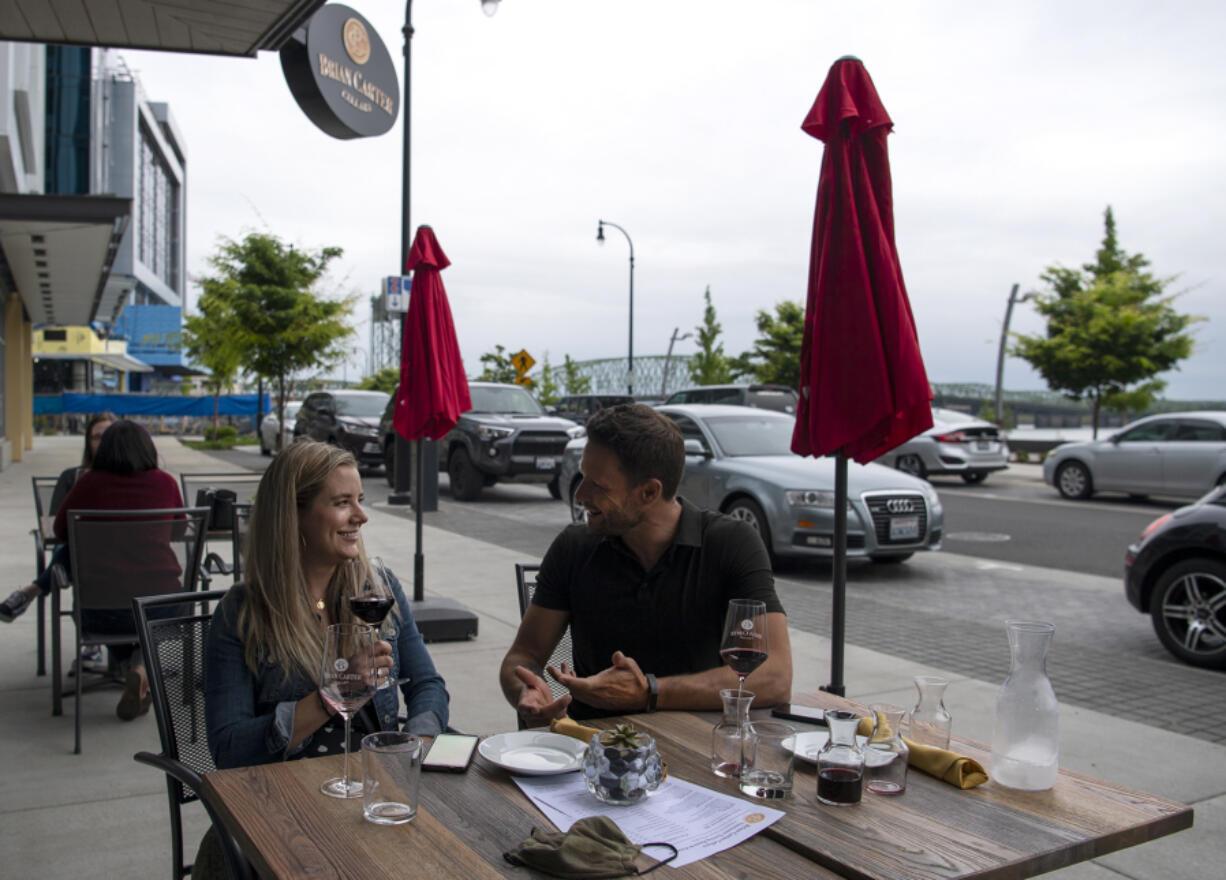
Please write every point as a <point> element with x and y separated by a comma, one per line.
<point>744,646</point>
<point>346,682</point>
<point>373,601</point>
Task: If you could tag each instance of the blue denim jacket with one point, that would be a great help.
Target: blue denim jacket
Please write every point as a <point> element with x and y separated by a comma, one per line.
<point>250,718</point>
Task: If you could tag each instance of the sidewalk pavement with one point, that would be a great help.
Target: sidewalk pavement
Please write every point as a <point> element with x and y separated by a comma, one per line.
<point>101,814</point>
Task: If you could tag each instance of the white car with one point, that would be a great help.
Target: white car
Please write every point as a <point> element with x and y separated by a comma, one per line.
<point>268,428</point>
<point>956,444</point>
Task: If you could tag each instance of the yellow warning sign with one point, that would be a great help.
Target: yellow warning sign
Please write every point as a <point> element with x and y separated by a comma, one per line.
<point>522,362</point>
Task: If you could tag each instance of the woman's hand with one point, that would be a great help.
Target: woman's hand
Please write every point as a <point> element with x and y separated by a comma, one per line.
<point>383,660</point>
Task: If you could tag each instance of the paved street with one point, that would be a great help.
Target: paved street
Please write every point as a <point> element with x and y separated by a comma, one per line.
<point>947,609</point>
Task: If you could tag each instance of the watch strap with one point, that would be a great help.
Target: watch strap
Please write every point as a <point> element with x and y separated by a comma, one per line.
<point>653,692</point>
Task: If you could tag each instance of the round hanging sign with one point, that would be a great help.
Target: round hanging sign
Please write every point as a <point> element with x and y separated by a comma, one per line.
<point>341,74</point>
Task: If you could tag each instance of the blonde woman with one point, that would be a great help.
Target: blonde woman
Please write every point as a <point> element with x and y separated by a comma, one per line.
<point>304,559</point>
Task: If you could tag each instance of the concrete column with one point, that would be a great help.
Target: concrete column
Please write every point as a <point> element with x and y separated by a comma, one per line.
<point>14,328</point>
<point>27,382</point>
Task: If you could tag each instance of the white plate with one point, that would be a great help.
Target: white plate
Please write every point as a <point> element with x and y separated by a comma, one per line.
<point>805,746</point>
<point>533,752</point>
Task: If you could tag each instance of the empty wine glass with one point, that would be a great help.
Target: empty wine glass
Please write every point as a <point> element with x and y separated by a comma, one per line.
<point>346,682</point>
<point>373,601</point>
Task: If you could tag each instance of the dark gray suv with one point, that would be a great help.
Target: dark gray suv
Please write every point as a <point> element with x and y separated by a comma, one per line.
<point>780,398</point>
<point>505,437</point>
<point>349,419</point>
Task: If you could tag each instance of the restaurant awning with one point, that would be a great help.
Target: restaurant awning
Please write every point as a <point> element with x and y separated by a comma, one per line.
<point>237,27</point>
<point>114,360</point>
<point>60,250</point>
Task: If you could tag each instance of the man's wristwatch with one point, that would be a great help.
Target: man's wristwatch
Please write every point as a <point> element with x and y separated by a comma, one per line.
<point>653,692</point>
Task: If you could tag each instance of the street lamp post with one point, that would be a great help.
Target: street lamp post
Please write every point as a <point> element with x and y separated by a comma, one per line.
<point>668,358</point>
<point>1000,356</point>
<point>600,225</point>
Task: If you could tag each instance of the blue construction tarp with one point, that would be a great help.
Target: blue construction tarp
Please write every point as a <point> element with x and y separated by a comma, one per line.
<point>149,405</point>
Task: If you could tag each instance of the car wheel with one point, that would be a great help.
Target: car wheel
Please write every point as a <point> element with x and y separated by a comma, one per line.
<point>973,477</point>
<point>913,465</point>
<point>1073,481</point>
<point>747,510</point>
<point>578,513</point>
<point>466,480</point>
<point>1188,607</point>
<point>555,488</point>
<point>882,559</point>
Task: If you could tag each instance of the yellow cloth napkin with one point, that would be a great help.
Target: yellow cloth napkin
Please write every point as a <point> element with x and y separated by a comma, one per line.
<point>945,765</point>
<point>570,727</point>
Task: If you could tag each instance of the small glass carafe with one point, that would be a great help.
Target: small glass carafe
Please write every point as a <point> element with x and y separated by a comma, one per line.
<point>1026,737</point>
<point>885,753</point>
<point>840,763</point>
<point>930,723</point>
<point>728,737</point>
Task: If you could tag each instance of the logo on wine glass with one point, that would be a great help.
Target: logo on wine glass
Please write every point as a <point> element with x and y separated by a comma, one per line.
<point>747,624</point>
<point>340,664</point>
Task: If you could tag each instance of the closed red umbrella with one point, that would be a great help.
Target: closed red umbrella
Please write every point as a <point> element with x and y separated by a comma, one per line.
<point>863,388</point>
<point>433,389</point>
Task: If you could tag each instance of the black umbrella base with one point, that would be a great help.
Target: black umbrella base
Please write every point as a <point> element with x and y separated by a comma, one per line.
<point>444,620</point>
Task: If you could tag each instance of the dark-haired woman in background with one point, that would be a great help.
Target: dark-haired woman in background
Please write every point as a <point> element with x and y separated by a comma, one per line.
<point>125,476</point>
<point>16,604</point>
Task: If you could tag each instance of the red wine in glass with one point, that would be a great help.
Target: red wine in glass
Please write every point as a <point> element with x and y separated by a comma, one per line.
<point>370,607</point>
<point>839,785</point>
<point>743,660</point>
<point>743,646</point>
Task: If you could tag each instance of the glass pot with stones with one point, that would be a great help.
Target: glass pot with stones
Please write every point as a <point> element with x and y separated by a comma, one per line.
<point>622,766</point>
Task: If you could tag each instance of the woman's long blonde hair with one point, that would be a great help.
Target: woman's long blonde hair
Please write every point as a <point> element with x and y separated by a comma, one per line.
<point>277,622</point>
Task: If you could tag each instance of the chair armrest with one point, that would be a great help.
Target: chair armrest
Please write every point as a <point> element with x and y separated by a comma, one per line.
<point>214,564</point>
<point>59,577</point>
<point>171,767</point>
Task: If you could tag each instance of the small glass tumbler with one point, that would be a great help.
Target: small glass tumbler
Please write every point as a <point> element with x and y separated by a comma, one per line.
<point>885,753</point>
<point>768,760</point>
<point>391,776</point>
<point>840,763</point>
<point>728,736</point>
<point>930,723</point>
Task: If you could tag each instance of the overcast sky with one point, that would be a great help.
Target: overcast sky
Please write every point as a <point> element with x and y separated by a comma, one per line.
<point>1013,129</point>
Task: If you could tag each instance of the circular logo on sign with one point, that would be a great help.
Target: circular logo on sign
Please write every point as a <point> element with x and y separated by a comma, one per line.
<point>747,625</point>
<point>357,41</point>
<point>341,664</point>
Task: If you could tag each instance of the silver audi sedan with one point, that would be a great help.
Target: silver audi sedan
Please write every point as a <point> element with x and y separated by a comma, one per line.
<point>739,461</point>
<point>1181,454</point>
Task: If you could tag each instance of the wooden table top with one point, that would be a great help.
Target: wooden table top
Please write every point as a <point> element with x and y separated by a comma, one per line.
<point>466,821</point>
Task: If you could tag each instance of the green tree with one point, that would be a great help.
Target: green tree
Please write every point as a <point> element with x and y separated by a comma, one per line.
<point>547,390</point>
<point>497,366</point>
<point>775,356</point>
<point>710,366</point>
<point>282,326</point>
<point>1110,330</point>
<point>210,338</point>
<point>386,379</point>
<point>575,382</point>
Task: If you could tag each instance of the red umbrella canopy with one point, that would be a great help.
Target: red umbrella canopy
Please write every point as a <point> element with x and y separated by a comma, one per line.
<point>863,385</point>
<point>433,389</point>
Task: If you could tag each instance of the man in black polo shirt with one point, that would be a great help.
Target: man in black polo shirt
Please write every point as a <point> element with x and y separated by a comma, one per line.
<point>644,587</point>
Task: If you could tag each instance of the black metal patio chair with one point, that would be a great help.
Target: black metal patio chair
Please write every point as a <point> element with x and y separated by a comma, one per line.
<point>525,585</point>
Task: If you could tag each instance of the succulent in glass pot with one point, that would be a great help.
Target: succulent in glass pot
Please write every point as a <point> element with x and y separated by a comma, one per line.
<point>622,765</point>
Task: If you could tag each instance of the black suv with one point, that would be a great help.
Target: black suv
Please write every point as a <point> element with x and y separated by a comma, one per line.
<point>581,407</point>
<point>349,419</point>
<point>780,398</point>
<point>505,437</point>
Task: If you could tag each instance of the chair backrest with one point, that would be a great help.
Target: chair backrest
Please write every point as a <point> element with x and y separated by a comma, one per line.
<point>242,483</point>
<point>44,488</point>
<point>174,659</point>
<point>525,582</point>
<point>120,554</point>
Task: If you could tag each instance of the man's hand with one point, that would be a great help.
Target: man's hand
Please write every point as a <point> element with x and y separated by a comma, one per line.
<point>536,704</point>
<point>622,686</point>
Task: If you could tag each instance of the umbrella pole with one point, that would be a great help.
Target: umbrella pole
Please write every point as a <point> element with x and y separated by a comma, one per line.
<point>419,562</point>
<point>839,604</point>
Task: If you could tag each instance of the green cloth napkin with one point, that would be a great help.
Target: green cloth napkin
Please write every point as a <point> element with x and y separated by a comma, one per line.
<point>593,847</point>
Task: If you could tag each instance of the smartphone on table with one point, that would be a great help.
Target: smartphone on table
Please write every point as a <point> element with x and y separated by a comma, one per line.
<point>451,752</point>
<point>797,712</point>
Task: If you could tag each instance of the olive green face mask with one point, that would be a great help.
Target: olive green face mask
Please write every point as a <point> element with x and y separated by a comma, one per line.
<point>593,847</point>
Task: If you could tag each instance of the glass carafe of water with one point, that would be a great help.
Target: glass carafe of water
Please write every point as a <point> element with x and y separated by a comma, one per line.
<point>1025,741</point>
<point>728,737</point>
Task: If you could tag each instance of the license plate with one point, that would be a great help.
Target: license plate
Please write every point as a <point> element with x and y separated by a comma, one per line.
<point>371,448</point>
<point>904,528</point>
<point>546,462</point>
<point>984,445</point>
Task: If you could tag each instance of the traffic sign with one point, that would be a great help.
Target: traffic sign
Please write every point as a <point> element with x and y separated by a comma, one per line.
<point>396,293</point>
<point>526,381</point>
<point>522,362</point>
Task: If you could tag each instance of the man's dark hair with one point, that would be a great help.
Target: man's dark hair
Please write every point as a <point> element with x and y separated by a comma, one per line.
<point>647,444</point>
<point>126,448</point>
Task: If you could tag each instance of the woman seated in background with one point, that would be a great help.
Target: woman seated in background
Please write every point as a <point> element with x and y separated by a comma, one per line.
<point>16,604</point>
<point>125,476</point>
<point>304,559</point>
